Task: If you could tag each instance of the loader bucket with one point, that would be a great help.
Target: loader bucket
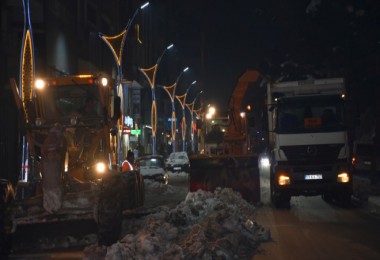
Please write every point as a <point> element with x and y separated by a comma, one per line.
<point>240,173</point>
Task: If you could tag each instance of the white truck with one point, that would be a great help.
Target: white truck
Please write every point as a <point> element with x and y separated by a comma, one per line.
<point>308,144</point>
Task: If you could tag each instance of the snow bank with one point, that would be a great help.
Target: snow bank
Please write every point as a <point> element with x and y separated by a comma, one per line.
<point>204,226</point>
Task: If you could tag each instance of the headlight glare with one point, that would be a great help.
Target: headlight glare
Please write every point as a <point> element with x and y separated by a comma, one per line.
<point>39,84</point>
<point>104,82</point>
<point>343,177</point>
<point>100,167</point>
<point>264,162</point>
<point>283,180</point>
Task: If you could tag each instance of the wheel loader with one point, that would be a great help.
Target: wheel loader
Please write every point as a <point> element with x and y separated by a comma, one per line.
<point>71,166</point>
<point>234,165</point>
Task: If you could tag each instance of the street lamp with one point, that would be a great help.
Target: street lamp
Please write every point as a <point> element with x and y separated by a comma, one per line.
<point>171,92</point>
<point>190,106</point>
<point>182,101</point>
<point>150,75</point>
<point>116,44</point>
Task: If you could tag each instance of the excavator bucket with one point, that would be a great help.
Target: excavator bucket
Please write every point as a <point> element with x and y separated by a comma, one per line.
<point>240,173</point>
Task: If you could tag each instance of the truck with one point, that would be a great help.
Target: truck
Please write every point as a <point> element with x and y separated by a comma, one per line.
<point>71,162</point>
<point>308,144</point>
<point>232,165</point>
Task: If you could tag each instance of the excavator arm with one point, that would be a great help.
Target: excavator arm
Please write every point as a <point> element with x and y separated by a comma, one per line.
<point>236,168</point>
<point>236,139</point>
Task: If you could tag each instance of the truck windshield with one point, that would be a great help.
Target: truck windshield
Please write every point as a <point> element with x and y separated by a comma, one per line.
<point>310,114</point>
<point>64,101</point>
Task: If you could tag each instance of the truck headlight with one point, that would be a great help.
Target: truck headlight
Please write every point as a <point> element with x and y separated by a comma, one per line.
<point>283,180</point>
<point>343,177</point>
<point>265,162</point>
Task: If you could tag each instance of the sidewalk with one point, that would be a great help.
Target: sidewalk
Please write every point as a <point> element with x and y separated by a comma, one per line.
<point>367,191</point>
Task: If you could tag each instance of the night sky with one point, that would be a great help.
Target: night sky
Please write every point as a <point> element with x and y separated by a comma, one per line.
<point>287,40</point>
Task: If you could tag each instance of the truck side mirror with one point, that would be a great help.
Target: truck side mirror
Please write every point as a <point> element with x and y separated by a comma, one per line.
<point>116,107</point>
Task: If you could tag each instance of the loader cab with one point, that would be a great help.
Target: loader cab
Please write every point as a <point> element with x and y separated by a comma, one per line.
<point>64,101</point>
<point>73,99</point>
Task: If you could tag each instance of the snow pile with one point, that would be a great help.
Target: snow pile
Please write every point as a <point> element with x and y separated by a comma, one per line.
<point>204,226</point>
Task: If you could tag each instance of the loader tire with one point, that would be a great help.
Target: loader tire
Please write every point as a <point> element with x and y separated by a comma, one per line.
<point>141,192</point>
<point>110,206</point>
<point>6,221</point>
<point>131,197</point>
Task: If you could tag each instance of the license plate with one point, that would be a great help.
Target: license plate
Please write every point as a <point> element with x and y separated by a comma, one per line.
<point>177,168</point>
<point>313,177</point>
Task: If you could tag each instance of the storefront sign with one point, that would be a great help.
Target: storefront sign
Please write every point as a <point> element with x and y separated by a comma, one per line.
<point>136,131</point>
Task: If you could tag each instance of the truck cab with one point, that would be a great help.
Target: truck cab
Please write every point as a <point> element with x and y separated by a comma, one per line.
<point>308,140</point>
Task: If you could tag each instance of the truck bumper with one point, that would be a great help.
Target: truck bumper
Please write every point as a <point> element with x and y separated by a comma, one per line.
<point>313,181</point>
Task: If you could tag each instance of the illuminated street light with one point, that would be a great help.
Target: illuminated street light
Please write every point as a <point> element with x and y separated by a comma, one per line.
<point>150,75</point>
<point>210,112</point>
<point>171,92</point>
<point>27,76</point>
<point>190,106</point>
<point>116,44</point>
<point>182,101</point>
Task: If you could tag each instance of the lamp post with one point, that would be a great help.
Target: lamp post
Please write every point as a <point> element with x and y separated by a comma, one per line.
<point>116,44</point>
<point>150,75</point>
<point>182,101</point>
<point>171,92</point>
<point>26,81</point>
<point>190,106</point>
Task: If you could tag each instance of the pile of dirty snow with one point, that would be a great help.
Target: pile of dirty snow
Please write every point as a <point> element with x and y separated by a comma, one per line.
<point>204,226</point>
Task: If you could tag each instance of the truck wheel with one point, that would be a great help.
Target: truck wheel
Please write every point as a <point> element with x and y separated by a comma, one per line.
<point>280,200</point>
<point>110,203</point>
<point>344,198</point>
<point>277,199</point>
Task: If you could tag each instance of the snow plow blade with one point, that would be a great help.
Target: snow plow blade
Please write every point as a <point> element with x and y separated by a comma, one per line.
<point>240,173</point>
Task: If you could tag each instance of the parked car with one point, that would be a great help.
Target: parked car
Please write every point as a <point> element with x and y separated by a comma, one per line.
<point>177,162</point>
<point>152,167</point>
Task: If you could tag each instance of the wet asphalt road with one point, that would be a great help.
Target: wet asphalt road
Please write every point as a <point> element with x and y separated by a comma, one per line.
<point>314,229</point>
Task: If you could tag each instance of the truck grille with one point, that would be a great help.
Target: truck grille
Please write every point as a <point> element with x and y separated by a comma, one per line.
<point>325,153</point>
